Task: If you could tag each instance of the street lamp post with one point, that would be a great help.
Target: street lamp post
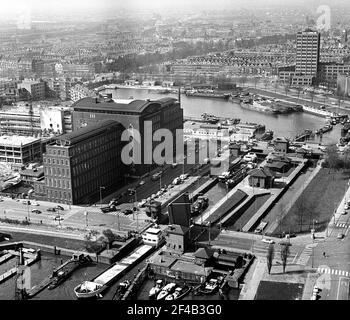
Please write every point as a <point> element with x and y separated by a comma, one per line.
<point>101,188</point>
<point>86,218</point>
<point>28,211</point>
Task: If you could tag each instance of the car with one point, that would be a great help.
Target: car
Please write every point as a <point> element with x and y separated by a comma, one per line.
<point>108,209</point>
<point>184,176</point>
<point>141,183</point>
<point>26,202</point>
<point>131,191</point>
<point>59,208</point>
<point>176,181</point>
<point>290,235</point>
<point>174,165</point>
<point>340,236</point>
<point>159,193</point>
<point>58,218</point>
<point>34,203</point>
<point>346,207</point>
<point>344,212</point>
<point>170,186</point>
<point>36,211</point>
<point>148,199</point>
<point>153,196</point>
<point>127,211</point>
<point>270,241</point>
<point>142,203</point>
<point>51,210</point>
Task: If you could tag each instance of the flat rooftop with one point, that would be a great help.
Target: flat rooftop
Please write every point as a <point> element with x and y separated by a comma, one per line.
<point>188,267</point>
<point>17,141</point>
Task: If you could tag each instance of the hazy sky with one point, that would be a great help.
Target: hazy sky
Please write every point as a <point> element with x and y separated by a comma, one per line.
<point>12,7</point>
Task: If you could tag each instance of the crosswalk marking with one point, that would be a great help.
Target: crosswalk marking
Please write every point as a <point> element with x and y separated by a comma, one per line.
<point>305,254</point>
<point>342,225</point>
<point>333,271</point>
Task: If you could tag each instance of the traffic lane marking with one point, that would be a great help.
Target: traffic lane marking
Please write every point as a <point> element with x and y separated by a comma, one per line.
<point>343,286</point>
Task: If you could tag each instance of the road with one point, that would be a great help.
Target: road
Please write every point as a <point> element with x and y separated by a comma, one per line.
<point>334,268</point>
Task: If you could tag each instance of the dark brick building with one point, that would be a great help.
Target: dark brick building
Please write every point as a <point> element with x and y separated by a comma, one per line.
<point>77,164</point>
<point>165,113</point>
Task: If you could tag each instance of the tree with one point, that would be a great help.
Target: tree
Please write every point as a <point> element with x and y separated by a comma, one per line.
<point>284,255</point>
<point>299,89</point>
<point>243,80</point>
<point>332,157</point>
<point>255,81</point>
<point>108,233</point>
<point>286,88</point>
<point>266,82</point>
<point>312,95</point>
<point>269,257</point>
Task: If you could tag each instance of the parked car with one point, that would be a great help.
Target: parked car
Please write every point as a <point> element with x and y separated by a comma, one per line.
<point>127,211</point>
<point>108,209</point>
<point>346,207</point>
<point>159,193</point>
<point>344,212</point>
<point>340,236</point>
<point>59,208</point>
<point>58,218</point>
<point>36,211</point>
<point>26,202</point>
<point>142,203</point>
<point>267,240</point>
<point>141,183</point>
<point>51,210</point>
<point>131,191</point>
<point>153,196</point>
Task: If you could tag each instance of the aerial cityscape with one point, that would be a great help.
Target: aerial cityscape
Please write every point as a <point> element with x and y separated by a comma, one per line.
<point>175,150</point>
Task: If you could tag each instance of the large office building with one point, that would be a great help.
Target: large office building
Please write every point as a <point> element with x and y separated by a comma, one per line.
<point>308,52</point>
<point>165,113</point>
<point>308,55</point>
<point>78,164</point>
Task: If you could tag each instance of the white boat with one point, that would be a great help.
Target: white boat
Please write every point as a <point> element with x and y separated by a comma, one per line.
<point>179,293</point>
<point>156,289</point>
<point>319,111</point>
<point>88,289</point>
<point>166,290</point>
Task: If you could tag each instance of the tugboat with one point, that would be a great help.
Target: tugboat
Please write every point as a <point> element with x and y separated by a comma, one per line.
<point>156,289</point>
<point>122,287</point>
<point>169,288</point>
<point>58,279</point>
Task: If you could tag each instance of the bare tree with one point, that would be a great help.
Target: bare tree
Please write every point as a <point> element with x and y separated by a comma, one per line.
<point>299,89</point>
<point>284,255</point>
<point>266,82</point>
<point>332,157</point>
<point>255,81</point>
<point>312,95</point>
<point>270,256</point>
<point>286,88</point>
<point>243,80</point>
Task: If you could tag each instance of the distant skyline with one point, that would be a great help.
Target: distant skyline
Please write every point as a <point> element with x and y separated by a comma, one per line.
<point>10,9</point>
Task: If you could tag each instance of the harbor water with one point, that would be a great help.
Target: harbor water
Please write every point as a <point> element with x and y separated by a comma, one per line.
<point>283,125</point>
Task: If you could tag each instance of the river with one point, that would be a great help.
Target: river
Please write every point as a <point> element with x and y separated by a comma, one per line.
<point>284,125</point>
